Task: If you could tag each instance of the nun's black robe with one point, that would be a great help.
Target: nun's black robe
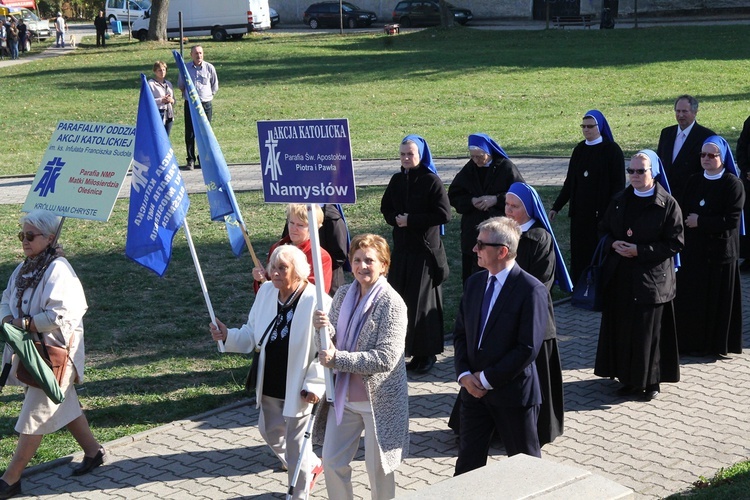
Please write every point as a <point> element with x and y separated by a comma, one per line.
<point>595,174</point>
<point>709,297</point>
<point>418,261</point>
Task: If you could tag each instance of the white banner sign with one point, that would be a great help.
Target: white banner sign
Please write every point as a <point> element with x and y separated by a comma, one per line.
<point>83,169</point>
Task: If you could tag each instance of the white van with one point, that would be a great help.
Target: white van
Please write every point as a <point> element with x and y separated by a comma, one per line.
<point>220,20</point>
<point>117,10</point>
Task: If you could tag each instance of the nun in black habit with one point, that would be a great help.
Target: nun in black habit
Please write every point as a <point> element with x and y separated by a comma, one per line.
<point>644,232</point>
<point>478,193</point>
<point>709,296</point>
<point>595,175</point>
<point>416,205</point>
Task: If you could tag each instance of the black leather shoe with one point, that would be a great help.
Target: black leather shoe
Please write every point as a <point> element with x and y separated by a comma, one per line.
<point>415,363</point>
<point>650,395</point>
<point>651,392</point>
<point>627,390</point>
<point>10,490</point>
<point>90,463</point>
<point>427,365</point>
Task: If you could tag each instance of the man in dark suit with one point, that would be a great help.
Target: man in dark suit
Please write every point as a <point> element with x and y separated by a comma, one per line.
<point>680,145</point>
<point>499,330</point>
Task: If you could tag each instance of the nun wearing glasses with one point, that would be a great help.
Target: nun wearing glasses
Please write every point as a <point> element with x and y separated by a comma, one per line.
<point>594,177</point>
<point>644,231</point>
<point>709,298</point>
<point>478,193</point>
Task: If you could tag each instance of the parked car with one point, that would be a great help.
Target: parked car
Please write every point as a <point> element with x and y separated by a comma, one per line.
<point>426,13</point>
<point>117,10</point>
<point>275,19</point>
<point>327,14</point>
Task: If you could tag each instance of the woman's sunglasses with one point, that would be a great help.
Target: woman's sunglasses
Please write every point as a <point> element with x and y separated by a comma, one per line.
<point>28,236</point>
<point>710,155</point>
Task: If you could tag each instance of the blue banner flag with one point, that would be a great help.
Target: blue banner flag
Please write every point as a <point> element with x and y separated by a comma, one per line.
<point>158,198</point>
<point>221,200</point>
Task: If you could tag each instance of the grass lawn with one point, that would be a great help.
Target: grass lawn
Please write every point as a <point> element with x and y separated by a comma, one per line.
<point>150,359</point>
<point>528,89</point>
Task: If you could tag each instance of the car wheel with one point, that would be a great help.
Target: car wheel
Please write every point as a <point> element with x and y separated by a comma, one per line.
<point>405,22</point>
<point>314,23</point>
<point>111,18</point>
<point>219,34</point>
<point>351,23</point>
<point>142,35</point>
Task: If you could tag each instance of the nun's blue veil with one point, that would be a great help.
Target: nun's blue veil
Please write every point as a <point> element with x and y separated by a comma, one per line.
<point>727,159</point>
<point>534,207</point>
<point>601,122</point>
<point>486,144</point>
<point>425,157</point>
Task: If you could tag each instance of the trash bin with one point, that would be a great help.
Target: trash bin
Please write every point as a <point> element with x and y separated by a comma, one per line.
<point>116,27</point>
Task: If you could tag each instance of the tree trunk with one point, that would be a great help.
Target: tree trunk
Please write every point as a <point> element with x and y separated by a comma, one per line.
<point>157,25</point>
<point>446,16</point>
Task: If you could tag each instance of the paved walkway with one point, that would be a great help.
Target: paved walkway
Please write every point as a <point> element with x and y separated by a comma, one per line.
<point>694,428</point>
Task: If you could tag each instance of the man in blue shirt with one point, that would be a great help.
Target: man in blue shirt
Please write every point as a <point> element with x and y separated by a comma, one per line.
<point>206,84</point>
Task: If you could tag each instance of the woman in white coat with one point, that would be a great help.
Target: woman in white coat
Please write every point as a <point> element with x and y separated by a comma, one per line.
<point>290,378</point>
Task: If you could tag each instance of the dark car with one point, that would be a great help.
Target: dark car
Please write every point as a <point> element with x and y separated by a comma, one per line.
<point>327,14</point>
<point>426,13</point>
<point>275,19</point>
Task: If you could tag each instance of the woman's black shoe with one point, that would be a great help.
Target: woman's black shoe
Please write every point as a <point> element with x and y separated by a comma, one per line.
<point>627,390</point>
<point>415,363</point>
<point>9,490</point>
<point>427,364</point>
<point>90,463</point>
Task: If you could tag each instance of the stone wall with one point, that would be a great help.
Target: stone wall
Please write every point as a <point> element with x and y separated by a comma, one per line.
<point>291,10</point>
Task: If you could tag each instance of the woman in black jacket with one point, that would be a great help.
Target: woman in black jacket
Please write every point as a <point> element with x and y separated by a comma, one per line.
<point>478,193</point>
<point>644,231</point>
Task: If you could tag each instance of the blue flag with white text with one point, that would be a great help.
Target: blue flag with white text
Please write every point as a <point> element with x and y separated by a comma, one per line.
<point>221,200</point>
<point>158,198</point>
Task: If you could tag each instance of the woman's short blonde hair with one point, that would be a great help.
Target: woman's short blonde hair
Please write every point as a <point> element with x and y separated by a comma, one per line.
<point>299,210</point>
<point>294,257</point>
<point>377,243</point>
<point>159,64</point>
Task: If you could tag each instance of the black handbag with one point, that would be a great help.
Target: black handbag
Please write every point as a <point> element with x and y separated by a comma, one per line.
<point>251,382</point>
<point>587,294</point>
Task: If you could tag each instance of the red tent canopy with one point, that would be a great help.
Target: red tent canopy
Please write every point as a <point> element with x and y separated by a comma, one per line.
<point>29,4</point>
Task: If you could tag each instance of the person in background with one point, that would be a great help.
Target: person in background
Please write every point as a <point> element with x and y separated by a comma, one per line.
<point>680,145</point>
<point>13,39</point>
<point>60,31</point>
<point>290,378</point>
<point>500,328</point>
<point>163,94</point>
<point>367,324</point>
<point>23,32</point>
<point>3,42</point>
<point>743,166</point>
<point>298,232</point>
<point>206,81</point>
<point>478,193</point>
<point>644,232</point>
<point>416,205</point>
<point>334,238</point>
<point>595,175</point>
<point>709,295</point>
<point>44,296</point>
<point>100,23</point>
